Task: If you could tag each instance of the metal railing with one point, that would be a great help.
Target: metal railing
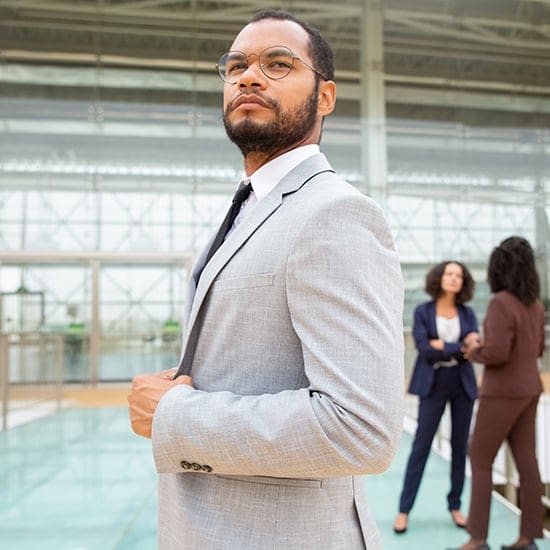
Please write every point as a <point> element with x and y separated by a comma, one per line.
<point>31,373</point>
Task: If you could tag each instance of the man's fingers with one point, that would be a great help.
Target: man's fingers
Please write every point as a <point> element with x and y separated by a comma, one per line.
<point>147,391</point>
<point>183,379</point>
<point>169,374</point>
<point>141,427</point>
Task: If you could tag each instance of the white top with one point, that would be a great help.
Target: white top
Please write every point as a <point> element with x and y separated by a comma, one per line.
<point>448,330</point>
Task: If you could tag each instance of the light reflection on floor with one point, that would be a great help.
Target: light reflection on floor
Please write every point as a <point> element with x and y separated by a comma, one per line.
<point>79,479</point>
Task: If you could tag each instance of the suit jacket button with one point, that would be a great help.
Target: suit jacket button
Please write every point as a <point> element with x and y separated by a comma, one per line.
<point>196,466</point>
<point>206,468</point>
<point>185,465</point>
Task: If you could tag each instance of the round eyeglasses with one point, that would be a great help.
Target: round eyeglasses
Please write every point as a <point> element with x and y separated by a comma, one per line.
<point>275,62</point>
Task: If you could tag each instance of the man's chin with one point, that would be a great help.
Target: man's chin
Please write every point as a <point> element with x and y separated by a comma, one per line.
<point>249,120</point>
<point>251,135</point>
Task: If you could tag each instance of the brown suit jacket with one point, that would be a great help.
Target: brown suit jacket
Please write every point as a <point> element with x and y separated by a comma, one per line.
<point>513,340</point>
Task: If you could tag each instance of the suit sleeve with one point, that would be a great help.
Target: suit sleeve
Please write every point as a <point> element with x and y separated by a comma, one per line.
<point>498,335</point>
<point>542,335</point>
<point>542,343</point>
<point>422,337</point>
<point>345,296</point>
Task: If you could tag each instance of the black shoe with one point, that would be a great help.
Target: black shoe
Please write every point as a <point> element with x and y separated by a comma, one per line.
<point>530,546</point>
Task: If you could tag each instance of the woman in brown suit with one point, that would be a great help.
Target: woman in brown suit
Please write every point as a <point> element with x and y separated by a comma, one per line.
<point>513,339</point>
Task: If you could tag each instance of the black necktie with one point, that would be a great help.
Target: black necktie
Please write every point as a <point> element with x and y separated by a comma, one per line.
<point>242,193</point>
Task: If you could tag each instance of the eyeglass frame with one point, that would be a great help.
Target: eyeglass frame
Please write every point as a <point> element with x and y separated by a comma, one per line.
<point>262,66</point>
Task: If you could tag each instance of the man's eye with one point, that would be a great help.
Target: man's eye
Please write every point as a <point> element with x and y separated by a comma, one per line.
<point>233,68</point>
<point>279,64</point>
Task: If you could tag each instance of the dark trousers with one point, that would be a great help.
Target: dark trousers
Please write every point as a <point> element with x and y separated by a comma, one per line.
<point>513,420</point>
<point>447,388</point>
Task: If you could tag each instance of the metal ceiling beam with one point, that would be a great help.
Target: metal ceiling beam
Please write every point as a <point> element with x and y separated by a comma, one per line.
<point>83,257</point>
<point>118,29</point>
<point>482,29</point>
<point>421,47</point>
<point>436,27</point>
<point>480,24</point>
<point>193,76</point>
<point>479,194</point>
<point>497,194</point>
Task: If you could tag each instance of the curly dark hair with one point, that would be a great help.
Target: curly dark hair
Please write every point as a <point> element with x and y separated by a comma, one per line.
<point>512,268</point>
<point>319,49</point>
<point>433,282</point>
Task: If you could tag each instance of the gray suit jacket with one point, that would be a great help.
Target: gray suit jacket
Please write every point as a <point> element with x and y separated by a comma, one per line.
<point>295,344</point>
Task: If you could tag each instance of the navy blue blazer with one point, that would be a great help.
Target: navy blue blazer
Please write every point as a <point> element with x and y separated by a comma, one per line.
<point>424,330</point>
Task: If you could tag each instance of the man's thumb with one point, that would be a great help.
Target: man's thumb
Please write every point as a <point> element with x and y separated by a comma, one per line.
<point>183,379</point>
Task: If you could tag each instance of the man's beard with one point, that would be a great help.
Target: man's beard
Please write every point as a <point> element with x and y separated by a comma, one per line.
<point>269,138</point>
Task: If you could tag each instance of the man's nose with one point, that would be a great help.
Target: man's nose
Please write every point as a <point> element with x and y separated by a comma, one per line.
<point>252,76</point>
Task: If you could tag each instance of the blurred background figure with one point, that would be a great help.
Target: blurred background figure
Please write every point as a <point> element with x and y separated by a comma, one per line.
<point>442,375</point>
<point>513,339</point>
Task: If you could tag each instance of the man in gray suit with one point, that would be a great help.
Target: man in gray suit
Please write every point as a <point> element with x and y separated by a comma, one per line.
<point>290,386</point>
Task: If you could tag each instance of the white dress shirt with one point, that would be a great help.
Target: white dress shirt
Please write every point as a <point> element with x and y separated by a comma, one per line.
<point>270,174</point>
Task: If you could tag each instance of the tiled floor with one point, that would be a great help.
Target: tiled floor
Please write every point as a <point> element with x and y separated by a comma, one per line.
<point>80,480</point>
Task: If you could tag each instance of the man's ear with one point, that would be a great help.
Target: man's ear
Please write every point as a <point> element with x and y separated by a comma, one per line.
<point>326,97</point>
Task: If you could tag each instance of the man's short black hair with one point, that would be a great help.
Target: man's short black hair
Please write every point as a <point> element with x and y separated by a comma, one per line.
<point>319,49</point>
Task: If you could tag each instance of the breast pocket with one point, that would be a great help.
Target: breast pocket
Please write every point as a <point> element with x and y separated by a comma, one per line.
<point>239,283</point>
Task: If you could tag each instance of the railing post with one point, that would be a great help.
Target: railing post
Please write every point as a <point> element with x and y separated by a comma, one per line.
<point>4,377</point>
<point>59,361</point>
<point>509,489</point>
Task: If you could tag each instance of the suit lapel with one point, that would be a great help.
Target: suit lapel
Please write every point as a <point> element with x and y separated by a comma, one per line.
<point>462,321</point>
<point>432,320</point>
<point>293,181</point>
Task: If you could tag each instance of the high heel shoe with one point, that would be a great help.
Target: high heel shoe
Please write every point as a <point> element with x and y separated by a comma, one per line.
<point>458,519</point>
<point>401,523</point>
<point>530,546</point>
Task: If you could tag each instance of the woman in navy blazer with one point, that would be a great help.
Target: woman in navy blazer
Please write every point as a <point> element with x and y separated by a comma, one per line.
<point>442,375</point>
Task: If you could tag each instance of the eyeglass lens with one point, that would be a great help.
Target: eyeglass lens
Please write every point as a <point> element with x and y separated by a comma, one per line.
<point>275,63</point>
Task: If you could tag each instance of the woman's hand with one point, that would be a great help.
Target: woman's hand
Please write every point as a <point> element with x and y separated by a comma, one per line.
<point>472,338</point>
<point>437,344</point>
<point>472,341</point>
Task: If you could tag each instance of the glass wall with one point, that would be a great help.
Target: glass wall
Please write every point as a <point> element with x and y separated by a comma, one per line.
<point>105,169</point>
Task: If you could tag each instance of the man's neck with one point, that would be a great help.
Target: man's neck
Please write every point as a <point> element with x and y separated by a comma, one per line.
<point>255,160</point>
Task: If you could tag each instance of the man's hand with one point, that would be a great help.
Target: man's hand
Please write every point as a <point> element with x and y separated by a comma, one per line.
<point>147,391</point>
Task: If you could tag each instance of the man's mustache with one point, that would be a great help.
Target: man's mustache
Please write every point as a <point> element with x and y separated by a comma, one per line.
<point>252,97</point>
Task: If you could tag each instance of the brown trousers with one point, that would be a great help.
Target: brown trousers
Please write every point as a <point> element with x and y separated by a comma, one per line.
<point>511,419</point>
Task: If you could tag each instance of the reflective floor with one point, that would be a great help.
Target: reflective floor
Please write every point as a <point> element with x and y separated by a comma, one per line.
<point>430,525</point>
<point>79,480</point>
<point>76,480</point>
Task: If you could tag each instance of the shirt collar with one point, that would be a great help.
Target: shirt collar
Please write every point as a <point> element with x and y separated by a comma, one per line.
<point>269,175</point>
